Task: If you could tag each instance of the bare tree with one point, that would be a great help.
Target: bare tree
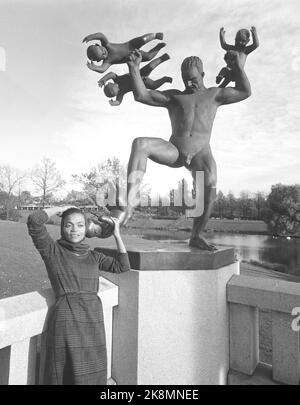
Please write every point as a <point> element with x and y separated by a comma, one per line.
<point>47,179</point>
<point>10,179</point>
<point>108,176</point>
<point>107,179</point>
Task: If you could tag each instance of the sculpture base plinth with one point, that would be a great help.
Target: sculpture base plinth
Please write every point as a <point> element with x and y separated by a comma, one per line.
<point>152,255</point>
<point>171,327</point>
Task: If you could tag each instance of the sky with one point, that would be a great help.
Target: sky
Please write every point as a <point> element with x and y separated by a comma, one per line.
<point>50,104</point>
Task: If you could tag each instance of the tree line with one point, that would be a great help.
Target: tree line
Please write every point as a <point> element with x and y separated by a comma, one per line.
<point>280,209</point>
<point>45,178</point>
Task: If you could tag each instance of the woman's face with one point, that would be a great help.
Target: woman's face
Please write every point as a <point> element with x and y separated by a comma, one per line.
<point>74,228</point>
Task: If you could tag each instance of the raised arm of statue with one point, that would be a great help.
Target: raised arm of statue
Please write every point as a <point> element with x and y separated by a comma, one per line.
<point>105,78</point>
<point>98,36</point>
<point>223,43</point>
<point>141,93</point>
<point>255,41</point>
<point>242,89</point>
<point>98,68</point>
<point>117,101</point>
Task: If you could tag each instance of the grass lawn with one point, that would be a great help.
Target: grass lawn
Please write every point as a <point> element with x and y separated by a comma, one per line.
<point>21,267</point>
<point>218,225</point>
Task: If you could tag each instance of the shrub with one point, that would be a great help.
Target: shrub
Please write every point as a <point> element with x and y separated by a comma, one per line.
<point>14,215</point>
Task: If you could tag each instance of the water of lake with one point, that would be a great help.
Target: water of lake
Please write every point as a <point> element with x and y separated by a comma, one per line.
<point>261,248</point>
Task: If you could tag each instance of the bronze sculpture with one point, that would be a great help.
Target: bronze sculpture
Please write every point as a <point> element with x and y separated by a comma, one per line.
<point>122,84</point>
<point>192,113</point>
<point>111,53</point>
<point>226,74</point>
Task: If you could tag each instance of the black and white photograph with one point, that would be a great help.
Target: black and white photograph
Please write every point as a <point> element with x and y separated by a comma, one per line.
<point>149,195</point>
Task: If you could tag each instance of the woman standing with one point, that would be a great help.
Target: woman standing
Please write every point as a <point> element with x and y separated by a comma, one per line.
<point>75,336</point>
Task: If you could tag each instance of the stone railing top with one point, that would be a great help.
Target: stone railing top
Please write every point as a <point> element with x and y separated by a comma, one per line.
<point>157,255</point>
<point>23,316</point>
<point>267,293</point>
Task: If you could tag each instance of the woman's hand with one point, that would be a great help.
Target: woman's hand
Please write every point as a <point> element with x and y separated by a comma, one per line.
<point>116,232</point>
<point>120,245</point>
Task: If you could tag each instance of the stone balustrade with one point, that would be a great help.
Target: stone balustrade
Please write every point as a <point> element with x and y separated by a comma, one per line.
<point>246,296</point>
<point>22,320</point>
<point>153,323</point>
<point>171,326</point>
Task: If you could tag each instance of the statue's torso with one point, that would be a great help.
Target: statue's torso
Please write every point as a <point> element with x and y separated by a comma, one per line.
<point>192,114</point>
<point>243,57</point>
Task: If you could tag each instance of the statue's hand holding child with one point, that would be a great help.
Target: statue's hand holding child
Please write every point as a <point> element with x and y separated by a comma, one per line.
<point>134,58</point>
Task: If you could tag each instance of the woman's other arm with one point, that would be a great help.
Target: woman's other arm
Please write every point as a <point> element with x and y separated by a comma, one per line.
<point>119,264</point>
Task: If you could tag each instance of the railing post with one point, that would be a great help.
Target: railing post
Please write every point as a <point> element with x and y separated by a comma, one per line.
<point>22,363</point>
<point>244,338</point>
<point>286,349</point>
<point>22,321</point>
<point>108,318</point>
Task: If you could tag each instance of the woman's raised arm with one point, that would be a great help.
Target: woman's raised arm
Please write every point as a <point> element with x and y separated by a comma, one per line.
<point>38,231</point>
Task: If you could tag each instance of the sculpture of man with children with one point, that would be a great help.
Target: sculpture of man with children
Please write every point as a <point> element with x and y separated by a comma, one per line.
<point>75,340</point>
<point>191,111</point>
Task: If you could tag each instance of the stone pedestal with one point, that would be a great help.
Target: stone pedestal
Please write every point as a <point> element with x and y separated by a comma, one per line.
<point>171,324</point>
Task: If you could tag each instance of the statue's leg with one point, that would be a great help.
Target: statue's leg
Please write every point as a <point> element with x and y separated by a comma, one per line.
<point>155,84</point>
<point>153,52</point>
<point>137,42</point>
<point>146,70</point>
<point>205,162</point>
<point>156,149</point>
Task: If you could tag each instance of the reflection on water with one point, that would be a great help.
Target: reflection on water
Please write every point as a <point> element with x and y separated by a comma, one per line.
<point>248,247</point>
